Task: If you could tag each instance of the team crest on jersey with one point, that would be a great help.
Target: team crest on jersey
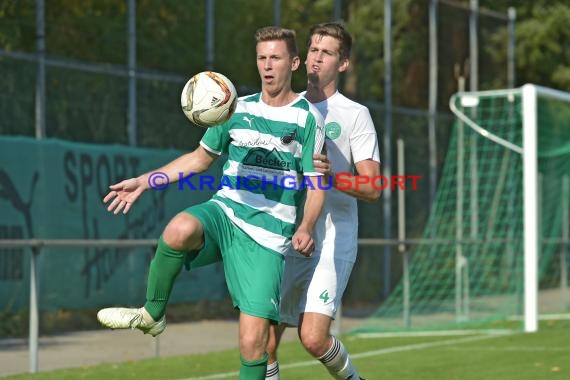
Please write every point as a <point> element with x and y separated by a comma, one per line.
<point>288,138</point>
<point>332,130</point>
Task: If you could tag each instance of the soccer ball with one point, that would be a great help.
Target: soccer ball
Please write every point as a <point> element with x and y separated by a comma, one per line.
<point>208,99</point>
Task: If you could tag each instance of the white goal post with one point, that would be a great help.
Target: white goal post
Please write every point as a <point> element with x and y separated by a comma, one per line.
<point>531,213</point>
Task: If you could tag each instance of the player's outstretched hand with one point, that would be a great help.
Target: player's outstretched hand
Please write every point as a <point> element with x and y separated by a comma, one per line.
<point>303,243</point>
<point>123,195</point>
<point>322,164</point>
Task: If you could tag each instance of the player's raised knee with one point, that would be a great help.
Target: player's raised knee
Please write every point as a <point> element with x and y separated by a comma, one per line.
<point>184,232</point>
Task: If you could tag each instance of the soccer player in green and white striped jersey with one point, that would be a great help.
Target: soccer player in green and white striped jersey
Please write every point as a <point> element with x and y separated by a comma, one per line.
<point>266,145</point>
<point>250,222</point>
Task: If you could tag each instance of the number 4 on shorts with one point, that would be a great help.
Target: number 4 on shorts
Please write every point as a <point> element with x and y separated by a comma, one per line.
<point>324,296</point>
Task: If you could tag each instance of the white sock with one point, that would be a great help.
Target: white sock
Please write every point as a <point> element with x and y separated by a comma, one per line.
<point>338,363</point>
<point>272,371</point>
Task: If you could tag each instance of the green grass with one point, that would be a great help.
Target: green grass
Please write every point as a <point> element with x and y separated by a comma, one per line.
<point>544,355</point>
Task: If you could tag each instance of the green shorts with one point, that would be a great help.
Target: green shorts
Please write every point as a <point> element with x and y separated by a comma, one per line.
<point>253,273</point>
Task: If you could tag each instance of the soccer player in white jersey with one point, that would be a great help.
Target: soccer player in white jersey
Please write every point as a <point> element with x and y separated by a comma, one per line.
<point>312,287</point>
<point>249,223</point>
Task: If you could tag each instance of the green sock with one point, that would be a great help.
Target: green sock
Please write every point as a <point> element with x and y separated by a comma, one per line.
<point>253,370</point>
<point>164,269</point>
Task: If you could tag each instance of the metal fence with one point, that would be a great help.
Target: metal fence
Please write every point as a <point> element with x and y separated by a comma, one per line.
<point>132,97</point>
<point>36,246</point>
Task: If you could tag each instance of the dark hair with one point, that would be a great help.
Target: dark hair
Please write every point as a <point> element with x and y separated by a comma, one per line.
<point>276,33</point>
<point>334,30</point>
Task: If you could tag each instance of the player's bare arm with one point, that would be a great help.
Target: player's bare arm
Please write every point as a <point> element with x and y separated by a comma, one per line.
<point>122,195</point>
<point>302,239</point>
<point>368,168</point>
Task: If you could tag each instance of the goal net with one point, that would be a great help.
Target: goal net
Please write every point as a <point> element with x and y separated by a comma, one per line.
<point>495,252</point>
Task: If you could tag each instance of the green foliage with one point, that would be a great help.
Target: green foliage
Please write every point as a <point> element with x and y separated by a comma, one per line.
<point>17,25</point>
<point>542,35</point>
<point>366,24</point>
<point>171,38</point>
<point>13,324</point>
<point>542,55</point>
<point>90,30</point>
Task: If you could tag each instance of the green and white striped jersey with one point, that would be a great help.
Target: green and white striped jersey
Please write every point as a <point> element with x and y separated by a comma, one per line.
<point>270,151</point>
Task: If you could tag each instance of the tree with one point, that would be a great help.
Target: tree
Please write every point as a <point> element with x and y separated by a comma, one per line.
<point>542,46</point>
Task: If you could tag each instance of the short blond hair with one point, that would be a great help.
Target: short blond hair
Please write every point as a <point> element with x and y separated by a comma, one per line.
<point>276,33</point>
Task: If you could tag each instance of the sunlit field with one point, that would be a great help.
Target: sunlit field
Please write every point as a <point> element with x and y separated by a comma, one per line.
<point>543,355</point>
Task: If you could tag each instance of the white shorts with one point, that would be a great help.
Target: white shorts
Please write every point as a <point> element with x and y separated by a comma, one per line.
<point>314,284</point>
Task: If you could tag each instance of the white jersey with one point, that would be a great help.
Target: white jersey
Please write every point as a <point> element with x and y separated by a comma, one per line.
<point>316,284</point>
<point>350,138</point>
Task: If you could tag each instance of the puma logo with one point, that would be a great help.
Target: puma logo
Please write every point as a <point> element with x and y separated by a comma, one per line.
<point>245,118</point>
<point>9,192</point>
<point>275,304</point>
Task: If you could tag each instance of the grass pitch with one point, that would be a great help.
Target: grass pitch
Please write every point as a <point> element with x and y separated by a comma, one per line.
<point>518,356</point>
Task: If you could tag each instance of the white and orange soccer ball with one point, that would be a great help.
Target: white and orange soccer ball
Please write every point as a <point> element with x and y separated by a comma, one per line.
<point>208,99</point>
